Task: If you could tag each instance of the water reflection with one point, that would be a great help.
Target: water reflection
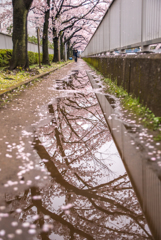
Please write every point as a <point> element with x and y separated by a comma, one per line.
<point>86,197</point>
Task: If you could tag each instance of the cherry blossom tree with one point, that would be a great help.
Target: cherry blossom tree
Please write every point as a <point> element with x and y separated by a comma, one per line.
<point>82,20</point>
<point>73,21</point>
<point>70,17</point>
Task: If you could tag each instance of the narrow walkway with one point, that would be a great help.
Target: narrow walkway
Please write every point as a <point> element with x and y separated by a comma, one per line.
<point>61,175</point>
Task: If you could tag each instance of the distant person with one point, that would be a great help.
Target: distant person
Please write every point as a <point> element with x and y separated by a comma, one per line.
<point>75,54</point>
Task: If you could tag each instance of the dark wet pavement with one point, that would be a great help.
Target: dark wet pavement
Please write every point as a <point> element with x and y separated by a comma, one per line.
<point>61,174</point>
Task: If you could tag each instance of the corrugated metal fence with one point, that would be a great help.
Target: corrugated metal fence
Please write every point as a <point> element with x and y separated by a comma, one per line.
<point>6,43</point>
<point>127,24</point>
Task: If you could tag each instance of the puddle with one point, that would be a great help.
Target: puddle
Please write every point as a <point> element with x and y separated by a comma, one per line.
<point>88,194</point>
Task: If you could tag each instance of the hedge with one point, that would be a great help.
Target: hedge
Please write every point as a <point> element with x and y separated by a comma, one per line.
<point>6,55</point>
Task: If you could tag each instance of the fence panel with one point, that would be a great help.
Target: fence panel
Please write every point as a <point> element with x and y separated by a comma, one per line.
<point>106,29</point>
<point>115,25</point>
<point>101,38</point>
<point>152,20</point>
<point>130,22</point>
<point>127,24</point>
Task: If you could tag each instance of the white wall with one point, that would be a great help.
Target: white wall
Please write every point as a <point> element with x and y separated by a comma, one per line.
<point>6,43</point>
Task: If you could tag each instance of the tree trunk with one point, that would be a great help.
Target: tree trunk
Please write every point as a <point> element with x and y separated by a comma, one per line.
<point>19,37</point>
<point>55,42</point>
<point>62,48</point>
<point>45,37</point>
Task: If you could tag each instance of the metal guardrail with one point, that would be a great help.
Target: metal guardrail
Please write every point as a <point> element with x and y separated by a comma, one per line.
<point>127,24</point>
<point>6,43</point>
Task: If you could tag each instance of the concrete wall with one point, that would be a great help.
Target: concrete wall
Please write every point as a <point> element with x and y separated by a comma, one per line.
<point>6,43</point>
<point>140,75</point>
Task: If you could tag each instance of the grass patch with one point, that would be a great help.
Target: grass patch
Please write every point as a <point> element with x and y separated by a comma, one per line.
<point>145,115</point>
<point>11,78</point>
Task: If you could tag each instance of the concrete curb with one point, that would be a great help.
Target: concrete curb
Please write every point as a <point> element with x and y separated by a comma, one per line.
<point>142,171</point>
<point>30,80</point>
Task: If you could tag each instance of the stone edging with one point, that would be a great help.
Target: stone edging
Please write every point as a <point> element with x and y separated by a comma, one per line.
<point>31,79</point>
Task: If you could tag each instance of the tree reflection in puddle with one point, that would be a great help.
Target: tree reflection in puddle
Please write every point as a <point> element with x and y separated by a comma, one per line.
<point>85,198</point>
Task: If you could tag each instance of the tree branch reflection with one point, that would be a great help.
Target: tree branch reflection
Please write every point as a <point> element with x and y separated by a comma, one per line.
<point>74,149</point>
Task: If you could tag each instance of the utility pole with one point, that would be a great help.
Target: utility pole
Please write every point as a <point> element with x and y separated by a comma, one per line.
<point>65,51</point>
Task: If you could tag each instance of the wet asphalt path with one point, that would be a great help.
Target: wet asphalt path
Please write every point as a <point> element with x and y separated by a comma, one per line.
<point>18,121</point>
<point>60,173</point>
